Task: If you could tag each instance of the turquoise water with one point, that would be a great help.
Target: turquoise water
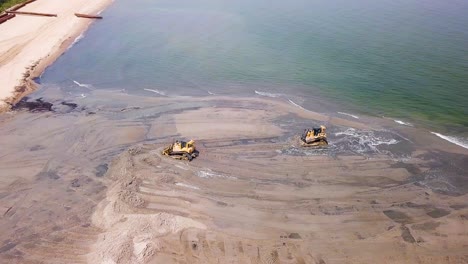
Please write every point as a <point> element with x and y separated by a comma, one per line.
<point>405,59</point>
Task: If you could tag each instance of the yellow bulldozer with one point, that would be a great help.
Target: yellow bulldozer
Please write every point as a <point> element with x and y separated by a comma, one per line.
<point>181,150</point>
<point>314,137</point>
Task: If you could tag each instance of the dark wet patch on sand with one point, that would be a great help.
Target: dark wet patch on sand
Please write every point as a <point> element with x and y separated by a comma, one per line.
<point>37,105</point>
<point>64,107</point>
<point>57,228</point>
<point>7,246</point>
<point>447,174</point>
<point>398,216</point>
<point>406,234</point>
<point>222,204</point>
<point>75,183</point>
<point>239,142</point>
<point>411,168</point>
<point>48,175</point>
<point>101,169</point>
<point>459,206</point>
<point>438,212</point>
<point>36,148</point>
<point>294,236</point>
<point>426,226</point>
<point>416,206</point>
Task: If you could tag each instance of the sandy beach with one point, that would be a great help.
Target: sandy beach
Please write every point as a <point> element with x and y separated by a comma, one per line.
<point>88,184</point>
<point>28,44</point>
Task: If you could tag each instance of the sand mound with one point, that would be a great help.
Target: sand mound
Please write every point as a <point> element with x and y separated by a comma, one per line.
<point>129,236</point>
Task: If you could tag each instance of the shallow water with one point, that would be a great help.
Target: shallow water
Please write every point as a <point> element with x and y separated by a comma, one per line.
<point>405,60</point>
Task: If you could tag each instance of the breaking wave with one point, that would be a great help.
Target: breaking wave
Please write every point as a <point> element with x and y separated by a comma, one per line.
<point>82,84</point>
<point>462,142</point>
<point>76,40</point>
<point>403,123</point>
<point>353,116</point>
<point>273,95</point>
<point>296,105</point>
<point>156,91</point>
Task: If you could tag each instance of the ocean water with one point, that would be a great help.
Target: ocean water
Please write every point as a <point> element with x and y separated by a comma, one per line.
<point>403,59</point>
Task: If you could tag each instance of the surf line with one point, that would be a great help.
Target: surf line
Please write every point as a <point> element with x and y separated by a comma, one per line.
<point>403,123</point>
<point>77,39</point>
<point>156,91</point>
<point>353,116</point>
<point>82,84</point>
<point>455,140</point>
<point>273,95</point>
<point>296,105</point>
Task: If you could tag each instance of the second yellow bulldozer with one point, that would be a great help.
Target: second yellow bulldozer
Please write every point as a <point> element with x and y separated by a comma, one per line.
<point>181,150</point>
<point>314,137</point>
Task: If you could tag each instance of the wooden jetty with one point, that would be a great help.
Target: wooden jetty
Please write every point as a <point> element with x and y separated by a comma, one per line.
<point>88,16</point>
<point>5,17</point>
<point>31,13</point>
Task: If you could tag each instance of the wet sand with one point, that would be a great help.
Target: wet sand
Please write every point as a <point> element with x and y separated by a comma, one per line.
<point>28,44</point>
<point>87,184</point>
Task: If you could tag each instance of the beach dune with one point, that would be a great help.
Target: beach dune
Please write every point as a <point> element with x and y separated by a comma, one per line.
<point>28,44</point>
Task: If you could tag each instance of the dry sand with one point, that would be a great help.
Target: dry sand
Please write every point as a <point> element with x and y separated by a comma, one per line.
<point>28,44</point>
<point>90,186</point>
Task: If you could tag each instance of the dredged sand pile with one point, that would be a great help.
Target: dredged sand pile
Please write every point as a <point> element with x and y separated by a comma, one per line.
<point>102,193</point>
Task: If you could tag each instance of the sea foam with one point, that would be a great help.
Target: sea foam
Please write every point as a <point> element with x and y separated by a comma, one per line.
<point>82,84</point>
<point>367,137</point>
<point>462,142</point>
<point>273,95</point>
<point>76,40</point>
<point>353,116</point>
<point>156,91</point>
<point>403,123</point>
<point>293,103</point>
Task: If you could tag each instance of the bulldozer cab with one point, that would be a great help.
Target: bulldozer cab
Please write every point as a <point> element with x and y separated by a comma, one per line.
<point>316,131</point>
<point>319,130</point>
<point>180,145</point>
<point>183,146</point>
<point>190,144</point>
<point>314,136</point>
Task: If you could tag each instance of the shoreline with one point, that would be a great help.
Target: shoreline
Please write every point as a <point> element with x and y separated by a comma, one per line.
<point>14,44</point>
